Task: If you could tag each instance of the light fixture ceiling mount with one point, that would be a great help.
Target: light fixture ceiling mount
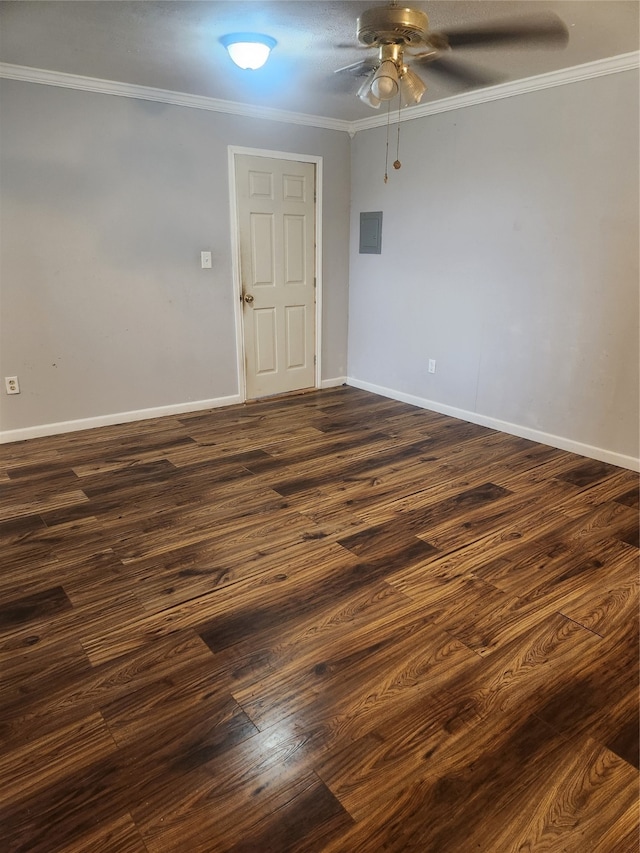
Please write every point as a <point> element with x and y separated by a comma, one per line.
<point>248,50</point>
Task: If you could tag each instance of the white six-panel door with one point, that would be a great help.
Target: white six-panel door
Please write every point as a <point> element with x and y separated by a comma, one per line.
<point>276,220</point>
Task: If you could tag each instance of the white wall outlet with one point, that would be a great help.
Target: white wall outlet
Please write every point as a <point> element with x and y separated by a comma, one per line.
<point>432,365</point>
<point>12,385</point>
<point>205,260</point>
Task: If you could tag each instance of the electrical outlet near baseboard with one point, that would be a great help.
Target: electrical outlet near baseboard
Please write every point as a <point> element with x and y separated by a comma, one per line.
<point>432,365</point>
<point>12,385</point>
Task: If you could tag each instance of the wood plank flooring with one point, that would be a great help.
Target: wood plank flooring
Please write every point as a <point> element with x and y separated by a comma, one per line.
<point>331,622</point>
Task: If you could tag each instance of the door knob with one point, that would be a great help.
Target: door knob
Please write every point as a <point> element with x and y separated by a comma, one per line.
<point>248,298</point>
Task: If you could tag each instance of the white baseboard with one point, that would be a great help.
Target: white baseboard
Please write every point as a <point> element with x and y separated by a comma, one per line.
<point>558,441</point>
<point>42,430</point>
<point>333,383</point>
<point>118,418</point>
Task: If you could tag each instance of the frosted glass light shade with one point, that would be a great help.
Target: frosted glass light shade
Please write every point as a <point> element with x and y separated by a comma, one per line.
<point>385,81</point>
<point>412,88</point>
<point>366,95</point>
<point>248,50</point>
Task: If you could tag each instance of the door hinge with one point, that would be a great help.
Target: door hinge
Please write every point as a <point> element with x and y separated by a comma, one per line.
<point>315,283</point>
<point>315,360</point>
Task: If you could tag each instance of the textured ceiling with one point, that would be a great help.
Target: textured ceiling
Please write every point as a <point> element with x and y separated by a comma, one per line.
<point>174,45</point>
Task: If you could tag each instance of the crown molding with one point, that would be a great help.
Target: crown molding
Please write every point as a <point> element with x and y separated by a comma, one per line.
<point>587,71</point>
<point>598,68</point>
<point>149,93</point>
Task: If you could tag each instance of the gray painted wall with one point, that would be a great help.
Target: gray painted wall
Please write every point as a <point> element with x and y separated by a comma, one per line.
<point>106,205</point>
<point>510,255</point>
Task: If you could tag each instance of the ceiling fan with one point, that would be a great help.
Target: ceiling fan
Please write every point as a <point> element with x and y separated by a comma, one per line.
<point>403,40</point>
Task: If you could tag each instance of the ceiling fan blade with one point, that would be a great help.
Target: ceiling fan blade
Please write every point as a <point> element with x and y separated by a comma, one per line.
<point>358,69</point>
<point>544,29</point>
<point>461,72</point>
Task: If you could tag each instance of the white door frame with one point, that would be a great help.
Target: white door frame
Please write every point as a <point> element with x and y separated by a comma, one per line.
<point>235,253</point>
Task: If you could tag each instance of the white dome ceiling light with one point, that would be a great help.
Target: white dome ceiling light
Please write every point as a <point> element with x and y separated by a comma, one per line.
<point>248,50</point>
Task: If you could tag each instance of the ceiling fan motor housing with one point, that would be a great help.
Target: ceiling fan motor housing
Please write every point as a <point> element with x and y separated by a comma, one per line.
<point>384,25</point>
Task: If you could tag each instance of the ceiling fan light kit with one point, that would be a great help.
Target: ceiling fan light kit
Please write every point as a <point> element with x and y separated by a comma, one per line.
<point>248,50</point>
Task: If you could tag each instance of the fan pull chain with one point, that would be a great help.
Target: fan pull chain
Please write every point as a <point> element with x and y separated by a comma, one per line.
<point>386,156</point>
<point>396,163</point>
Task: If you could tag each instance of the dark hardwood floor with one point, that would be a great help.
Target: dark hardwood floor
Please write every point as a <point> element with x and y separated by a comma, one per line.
<point>328,623</point>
